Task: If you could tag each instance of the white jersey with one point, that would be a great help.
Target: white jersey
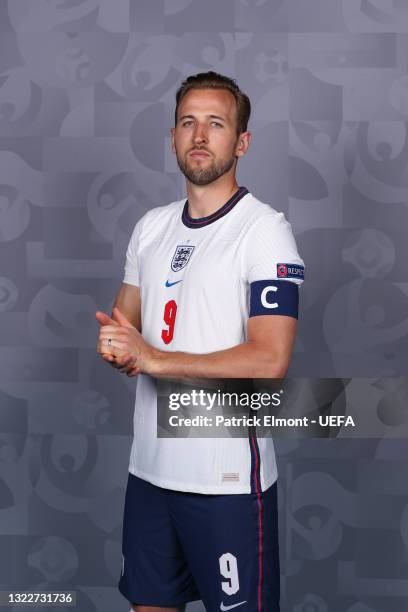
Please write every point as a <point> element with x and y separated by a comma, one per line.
<point>200,280</point>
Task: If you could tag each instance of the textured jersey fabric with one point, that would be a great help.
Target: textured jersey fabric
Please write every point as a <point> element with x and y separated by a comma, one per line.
<point>195,279</point>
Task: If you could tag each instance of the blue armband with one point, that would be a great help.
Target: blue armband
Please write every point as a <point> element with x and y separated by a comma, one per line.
<point>274,297</point>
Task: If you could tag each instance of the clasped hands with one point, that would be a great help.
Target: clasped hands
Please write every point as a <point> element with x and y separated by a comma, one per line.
<point>127,351</point>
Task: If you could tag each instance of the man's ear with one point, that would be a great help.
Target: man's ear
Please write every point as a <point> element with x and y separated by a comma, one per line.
<point>244,141</point>
<point>172,131</point>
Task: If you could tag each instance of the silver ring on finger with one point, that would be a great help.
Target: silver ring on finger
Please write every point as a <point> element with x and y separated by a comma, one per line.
<point>108,342</point>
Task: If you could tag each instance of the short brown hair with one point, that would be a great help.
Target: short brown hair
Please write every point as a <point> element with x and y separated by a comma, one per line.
<point>213,80</point>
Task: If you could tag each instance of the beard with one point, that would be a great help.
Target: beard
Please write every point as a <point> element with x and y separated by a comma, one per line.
<point>199,175</point>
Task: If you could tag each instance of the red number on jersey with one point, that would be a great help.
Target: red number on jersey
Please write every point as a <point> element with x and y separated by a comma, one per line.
<point>170,311</point>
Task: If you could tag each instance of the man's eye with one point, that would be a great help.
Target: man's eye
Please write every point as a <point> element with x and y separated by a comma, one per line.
<point>186,123</point>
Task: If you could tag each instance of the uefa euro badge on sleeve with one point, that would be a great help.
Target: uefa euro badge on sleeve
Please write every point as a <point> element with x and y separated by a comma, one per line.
<point>181,257</point>
<point>287,270</point>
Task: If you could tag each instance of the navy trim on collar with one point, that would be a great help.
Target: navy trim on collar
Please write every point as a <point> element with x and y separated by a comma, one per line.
<point>203,221</point>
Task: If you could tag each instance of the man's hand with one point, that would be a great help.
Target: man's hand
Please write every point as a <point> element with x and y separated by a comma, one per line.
<point>124,363</point>
<point>128,351</point>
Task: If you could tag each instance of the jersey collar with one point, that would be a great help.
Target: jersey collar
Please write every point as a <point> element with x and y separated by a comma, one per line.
<point>203,221</point>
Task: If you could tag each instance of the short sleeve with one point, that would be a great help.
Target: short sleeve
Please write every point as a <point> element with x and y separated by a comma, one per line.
<point>271,251</point>
<point>132,276</point>
<point>273,267</point>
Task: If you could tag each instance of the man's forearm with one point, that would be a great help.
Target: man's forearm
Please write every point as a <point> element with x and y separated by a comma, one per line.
<point>247,360</point>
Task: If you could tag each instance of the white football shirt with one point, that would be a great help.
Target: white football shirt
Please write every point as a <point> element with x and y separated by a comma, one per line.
<point>196,277</point>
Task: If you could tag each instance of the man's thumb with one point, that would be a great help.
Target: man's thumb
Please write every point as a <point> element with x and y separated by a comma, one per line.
<point>104,319</point>
<point>120,318</point>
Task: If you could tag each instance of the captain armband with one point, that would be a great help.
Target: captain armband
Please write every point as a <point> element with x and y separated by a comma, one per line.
<point>274,297</point>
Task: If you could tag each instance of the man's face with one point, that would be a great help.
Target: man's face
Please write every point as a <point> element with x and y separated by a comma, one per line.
<point>206,123</point>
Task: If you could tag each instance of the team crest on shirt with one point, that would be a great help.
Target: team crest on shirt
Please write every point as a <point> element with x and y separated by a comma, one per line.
<point>181,257</point>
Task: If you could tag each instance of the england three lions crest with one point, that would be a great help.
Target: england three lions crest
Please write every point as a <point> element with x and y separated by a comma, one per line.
<point>181,257</point>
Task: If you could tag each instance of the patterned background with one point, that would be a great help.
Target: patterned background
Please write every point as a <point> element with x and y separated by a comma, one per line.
<point>86,104</point>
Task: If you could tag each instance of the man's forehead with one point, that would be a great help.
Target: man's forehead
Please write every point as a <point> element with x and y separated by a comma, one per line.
<point>219,102</point>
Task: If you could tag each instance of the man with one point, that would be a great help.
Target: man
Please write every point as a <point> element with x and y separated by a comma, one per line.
<point>210,290</point>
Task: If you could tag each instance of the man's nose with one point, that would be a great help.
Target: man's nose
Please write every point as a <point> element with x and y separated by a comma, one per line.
<point>200,134</point>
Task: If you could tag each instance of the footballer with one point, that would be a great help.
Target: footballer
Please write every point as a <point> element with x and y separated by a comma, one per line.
<point>210,290</point>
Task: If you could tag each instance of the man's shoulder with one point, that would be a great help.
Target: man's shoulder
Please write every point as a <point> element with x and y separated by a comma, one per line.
<point>161,214</point>
<point>260,209</point>
<point>260,215</point>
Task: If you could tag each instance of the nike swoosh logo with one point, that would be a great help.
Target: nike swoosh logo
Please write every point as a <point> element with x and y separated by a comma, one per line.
<point>224,607</point>
<point>169,284</point>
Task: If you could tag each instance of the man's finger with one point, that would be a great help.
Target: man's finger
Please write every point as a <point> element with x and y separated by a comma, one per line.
<point>134,371</point>
<point>120,318</point>
<point>120,359</point>
<point>116,347</point>
<point>107,356</point>
<point>126,369</point>
<point>113,329</point>
<point>104,319</point>
<point>124,363</point>
<point>127,364</point>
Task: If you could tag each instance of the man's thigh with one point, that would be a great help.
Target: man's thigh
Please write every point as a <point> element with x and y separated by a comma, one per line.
<point>155,573</point>
<point>231,546</point>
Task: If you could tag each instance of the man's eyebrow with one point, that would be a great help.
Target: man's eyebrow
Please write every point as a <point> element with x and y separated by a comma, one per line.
<point>211,116</point>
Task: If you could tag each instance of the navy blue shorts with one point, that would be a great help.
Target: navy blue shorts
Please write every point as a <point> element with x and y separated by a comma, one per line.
<point>180,547</point>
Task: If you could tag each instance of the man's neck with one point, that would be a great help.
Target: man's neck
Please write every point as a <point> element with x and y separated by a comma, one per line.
<point>205,200</point>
